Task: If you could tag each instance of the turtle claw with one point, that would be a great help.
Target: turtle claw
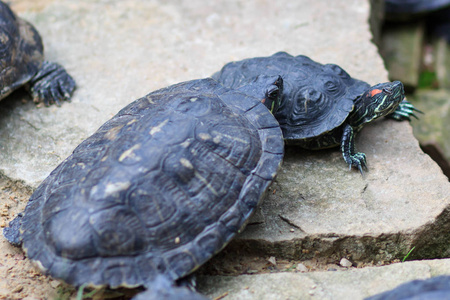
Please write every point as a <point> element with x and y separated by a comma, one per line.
<point>358,160</point>
<point>404,111</point>
<point>51,85</point>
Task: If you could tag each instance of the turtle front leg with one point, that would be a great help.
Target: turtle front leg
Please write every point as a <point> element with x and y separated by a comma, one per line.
<point>353,159</point>
<point>404,111</point>
<point>51,84</point>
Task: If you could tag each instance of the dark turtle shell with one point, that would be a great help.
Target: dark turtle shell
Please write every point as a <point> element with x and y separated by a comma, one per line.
<point>22,62</point>
<point>317,98</point>
<point>21,51</point>
<point>157,190</point>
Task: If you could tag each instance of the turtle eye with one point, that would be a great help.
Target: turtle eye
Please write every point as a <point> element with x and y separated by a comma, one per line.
<point>387,90</point>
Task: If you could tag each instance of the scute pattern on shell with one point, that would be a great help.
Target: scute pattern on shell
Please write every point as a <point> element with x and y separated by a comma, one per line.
<point>316,99</point>
<point>158,189</point>
<point>21,51</point>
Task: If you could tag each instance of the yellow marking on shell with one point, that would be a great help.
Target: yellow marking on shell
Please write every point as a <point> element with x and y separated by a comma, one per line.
<point>82,165</point>
<point>206,183</point>
<point>177,240</point>
<point>104,158</point>
<point>185,144</point>
<point>28,35</point>
<point>204,136</point>
<point>186,163</point>
<point>115,187</point>
<point>150,100</point>
<point>157,128</point>
<point>39,265</point>
<point>94,189</point>
<point>220,135</point>
<point>193,99</point>
<point>131,122</point>
<point>129,152</point>
<point>217,139</point>
<point>112,133</point>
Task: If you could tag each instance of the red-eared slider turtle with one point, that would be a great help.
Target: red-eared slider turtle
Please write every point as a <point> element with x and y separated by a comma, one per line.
<point>22,62</point>
<point>322,106</point>
<point>157,190</point>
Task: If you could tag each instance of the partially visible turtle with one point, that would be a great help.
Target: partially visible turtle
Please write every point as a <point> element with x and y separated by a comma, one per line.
<point>435,288</point>
<point>322,106</point>
<point>157,190</point>
<point>414,6</point>
<point>22,62</point>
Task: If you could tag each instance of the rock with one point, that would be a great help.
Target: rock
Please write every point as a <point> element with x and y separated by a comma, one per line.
<point>401,48</point>
<point>433,130</point>
<point>401,202</point>
<point>442,62</point>
<point>136,46</point>
<point>272,260</point>
<point>301,268</point>
<point>345,263</point>
<point>350,284</point>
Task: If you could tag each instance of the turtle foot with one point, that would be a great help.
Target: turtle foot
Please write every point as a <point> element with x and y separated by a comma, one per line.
<point>404,111</point>
<point>357,160</point>
<point>12,233</point>
<point>51,84</point>
<point>162,289</point>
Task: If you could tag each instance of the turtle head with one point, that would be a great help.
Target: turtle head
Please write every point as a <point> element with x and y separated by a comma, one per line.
<point>378,101</point>
<point>268,89</point>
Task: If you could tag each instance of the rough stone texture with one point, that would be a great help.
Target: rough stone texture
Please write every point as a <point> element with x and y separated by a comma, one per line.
<point>351,284</point>
<point>134,47</point>
<point>442,62</point>
<point>121,50</point>
<point>433,130</point>
<point>401,48</point>
<point>334,212</point>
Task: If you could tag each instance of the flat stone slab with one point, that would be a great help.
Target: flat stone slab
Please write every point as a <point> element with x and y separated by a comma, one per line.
<point>134,47</point>
<point>433,131</point>
<point>316,208</point>
<point>350,284</point>
<point>120,51</point>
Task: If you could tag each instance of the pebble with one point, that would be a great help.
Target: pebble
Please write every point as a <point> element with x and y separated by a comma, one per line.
<point>301,268</point>
<point>55,283</point>
<point>345,263</point>
<point>272,260</point>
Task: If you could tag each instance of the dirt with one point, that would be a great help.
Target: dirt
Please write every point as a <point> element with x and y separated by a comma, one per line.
<point>18,278</point>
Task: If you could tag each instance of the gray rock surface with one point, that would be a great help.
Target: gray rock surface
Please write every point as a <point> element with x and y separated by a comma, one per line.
<point>121,50</point>
<point>402,48</point>
<point>118,51</point>
<point>433,130</point>
<point>351,284</point>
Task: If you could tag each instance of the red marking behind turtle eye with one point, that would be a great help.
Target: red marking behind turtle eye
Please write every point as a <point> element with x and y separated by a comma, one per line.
<point>263,100</point>
<point>375,92</point>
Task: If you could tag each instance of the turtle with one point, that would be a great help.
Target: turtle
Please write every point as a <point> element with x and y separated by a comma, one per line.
<point>321,106</point>
<point>435,288</point>
<point>22,62</point>
<point>414,6</point>
<point>157,190</point>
